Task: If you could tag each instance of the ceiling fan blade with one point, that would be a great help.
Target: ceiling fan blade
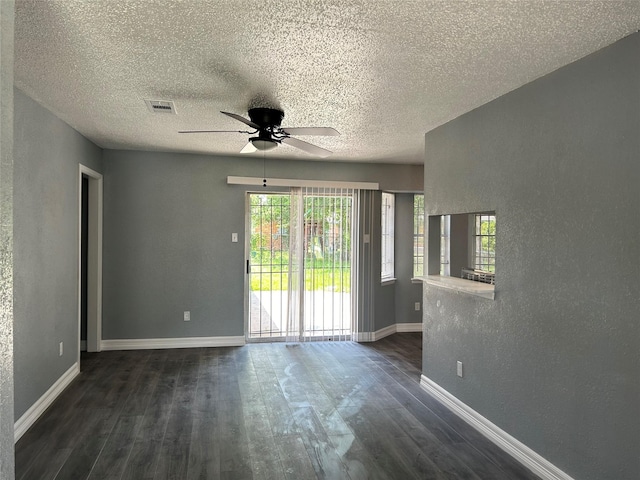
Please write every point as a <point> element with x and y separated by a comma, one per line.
<point>213,131</point>
<point>326,131</point>
<point>248,148</point>
<point>243,120</point>
<point>307,147</point>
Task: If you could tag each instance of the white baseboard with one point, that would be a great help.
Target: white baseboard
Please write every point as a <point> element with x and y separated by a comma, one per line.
<point>518,450</point>
<point>409,327</point>
<point>383,332</point>
<point>30,416</point>
<point>361,337</point>
<point>390,330</point>
<point>161,343</point>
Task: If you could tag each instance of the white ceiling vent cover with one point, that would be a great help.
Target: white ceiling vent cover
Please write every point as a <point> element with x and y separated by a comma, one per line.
<point>161,106</point>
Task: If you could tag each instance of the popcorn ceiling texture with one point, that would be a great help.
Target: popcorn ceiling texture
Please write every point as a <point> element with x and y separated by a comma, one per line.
<point>381,72</point>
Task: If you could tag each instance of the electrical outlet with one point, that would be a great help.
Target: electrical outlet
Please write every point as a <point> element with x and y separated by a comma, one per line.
<point>234,237</point>
<point>61,348</point>
<point>459,366</point>
<point>417,306</point>
<point>187,316</point>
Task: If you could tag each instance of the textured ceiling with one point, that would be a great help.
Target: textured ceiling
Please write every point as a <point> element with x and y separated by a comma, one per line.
<point>382,72</point>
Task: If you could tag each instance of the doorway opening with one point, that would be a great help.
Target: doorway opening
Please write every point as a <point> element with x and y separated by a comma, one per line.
<point>299,264</point>
<point>89,260</point>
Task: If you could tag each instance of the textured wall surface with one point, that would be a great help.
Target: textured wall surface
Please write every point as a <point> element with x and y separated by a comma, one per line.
<point>47,153</point>
<point>555,359</point>
<point>167,245</point>
<point>6,241</point>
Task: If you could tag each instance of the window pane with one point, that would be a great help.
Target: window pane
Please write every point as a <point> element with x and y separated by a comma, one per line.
<point>418,235</point>
<point>445,245</point>
<point>485,243</point>
<point>387,240</point>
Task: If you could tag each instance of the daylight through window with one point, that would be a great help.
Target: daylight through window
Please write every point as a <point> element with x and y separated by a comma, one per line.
<point>484,240</point>
<point>387,241</point>
<point>418,235</point>
<point>445,245</point>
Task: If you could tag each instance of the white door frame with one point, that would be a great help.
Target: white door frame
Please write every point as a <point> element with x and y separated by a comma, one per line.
<point>94,253</point>
<point>354,232</point>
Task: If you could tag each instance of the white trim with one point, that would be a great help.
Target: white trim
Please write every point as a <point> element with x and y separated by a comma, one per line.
<point>409,327</point>
<point>530,459</point>
<point>478,289</point>
<point>383,332</point>
<point>295,182</point>
<point>386,331</point>
<point>162,343</point>
<point>30,416</point>
<point>362,337</point>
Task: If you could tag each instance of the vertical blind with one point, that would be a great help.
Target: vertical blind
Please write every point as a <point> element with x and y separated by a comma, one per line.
<point>322,273</point>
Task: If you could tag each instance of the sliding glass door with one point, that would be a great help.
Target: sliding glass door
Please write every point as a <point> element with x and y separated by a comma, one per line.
<point>299,266</point>
<point>268,264</point>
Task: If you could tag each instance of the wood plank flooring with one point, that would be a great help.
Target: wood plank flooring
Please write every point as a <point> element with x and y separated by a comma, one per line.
<point>262,411</point>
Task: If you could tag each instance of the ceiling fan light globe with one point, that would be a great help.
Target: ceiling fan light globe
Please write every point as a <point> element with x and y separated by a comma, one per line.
<point>263,145</point>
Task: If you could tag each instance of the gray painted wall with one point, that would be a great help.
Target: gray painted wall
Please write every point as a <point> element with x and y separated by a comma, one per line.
<point>407,293</point>
<point>384,296</point>
<point>6,241</point>
<point>459,244</point>
<point>47,153</point>
<point>554,360</point>
<point>369,261</point>
<point>394,302</point>
<point>167,237</point>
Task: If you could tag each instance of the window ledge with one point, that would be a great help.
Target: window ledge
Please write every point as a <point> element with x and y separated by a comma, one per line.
<point>388,281</point>
<point>461,285</point>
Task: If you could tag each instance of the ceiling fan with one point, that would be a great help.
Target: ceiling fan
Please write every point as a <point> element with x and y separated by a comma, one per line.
<point>266,123</point>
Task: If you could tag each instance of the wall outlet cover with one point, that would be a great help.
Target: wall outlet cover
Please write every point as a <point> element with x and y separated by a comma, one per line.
<point>187,316</point>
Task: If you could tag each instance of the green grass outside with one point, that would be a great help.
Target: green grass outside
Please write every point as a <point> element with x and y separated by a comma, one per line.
<point>270,271</point>
<point>330,280</point>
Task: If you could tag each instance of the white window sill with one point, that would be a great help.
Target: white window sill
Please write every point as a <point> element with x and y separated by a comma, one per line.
<point>417,279</point>
<point>388,281</point>
<point>461,285</point>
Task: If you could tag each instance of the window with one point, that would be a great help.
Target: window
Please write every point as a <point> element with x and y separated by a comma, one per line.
<point>418,235</point>
<point>484,242</point>
<point>467,246</point>
<point>464,259</point>
<point>387,244</point>
<point>445,244</point>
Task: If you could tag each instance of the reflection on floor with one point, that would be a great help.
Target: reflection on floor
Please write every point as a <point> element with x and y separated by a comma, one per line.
<point>334,410</point>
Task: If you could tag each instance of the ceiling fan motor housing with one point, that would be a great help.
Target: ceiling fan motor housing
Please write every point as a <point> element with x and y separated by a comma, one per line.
<point>266,117</point>
<point>266,122</point>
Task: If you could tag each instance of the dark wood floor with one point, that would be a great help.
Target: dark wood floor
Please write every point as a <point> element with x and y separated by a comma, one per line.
<point>263,411</point>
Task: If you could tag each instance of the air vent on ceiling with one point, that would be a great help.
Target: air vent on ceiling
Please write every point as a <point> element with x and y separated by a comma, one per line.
<point>161,106</point>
